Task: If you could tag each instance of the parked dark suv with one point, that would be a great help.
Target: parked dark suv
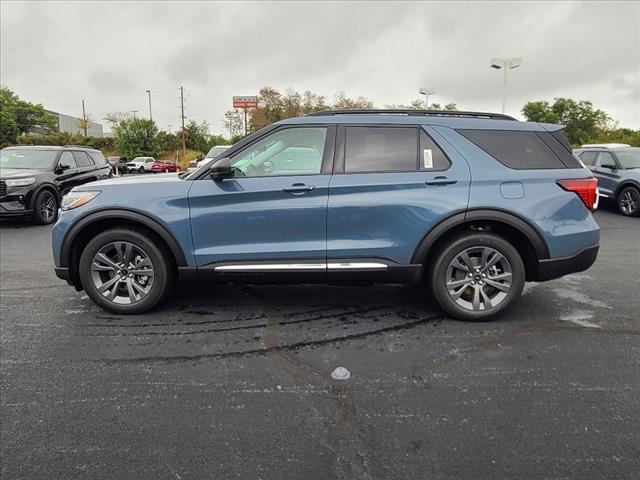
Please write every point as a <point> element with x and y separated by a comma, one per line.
<point>33,179</point>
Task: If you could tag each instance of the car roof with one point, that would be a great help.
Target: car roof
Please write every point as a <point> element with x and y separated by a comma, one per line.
<point>606,145</point>
<point>603,149</point>
<point>50,147</point>
<point>458,120</point>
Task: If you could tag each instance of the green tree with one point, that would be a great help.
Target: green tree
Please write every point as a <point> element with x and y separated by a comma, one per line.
<point>168,142</point>
<point>18,116</point>
<point>197,135</point>
<point>137,137</point>
<point>582,120</point>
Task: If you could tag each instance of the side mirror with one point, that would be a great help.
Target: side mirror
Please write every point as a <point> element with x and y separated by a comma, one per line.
<point>221,169</point>
<point>609,166</point>
<point>61,168</point>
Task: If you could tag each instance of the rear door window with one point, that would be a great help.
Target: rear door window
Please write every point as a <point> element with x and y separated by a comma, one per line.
<point>589,158</point>
<point>82,159</point>
<point>515,149</point>
<point>381,149</point>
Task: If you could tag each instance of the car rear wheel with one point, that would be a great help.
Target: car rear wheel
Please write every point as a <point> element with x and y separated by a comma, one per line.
<point>477,276</point>
<point>125,271</point>
<point>629,202</point>
<point>45,208</point>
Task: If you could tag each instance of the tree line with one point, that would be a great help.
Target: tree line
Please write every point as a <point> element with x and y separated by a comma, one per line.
<point>141,137</point>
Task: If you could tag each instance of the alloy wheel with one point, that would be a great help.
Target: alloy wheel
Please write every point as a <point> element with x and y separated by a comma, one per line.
<point>479,278</point>
<point>122,272</point>
<point>629,201</point>
<point>47,208</point>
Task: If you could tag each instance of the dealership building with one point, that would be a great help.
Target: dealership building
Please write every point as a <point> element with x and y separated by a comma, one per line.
<point>69,124</point>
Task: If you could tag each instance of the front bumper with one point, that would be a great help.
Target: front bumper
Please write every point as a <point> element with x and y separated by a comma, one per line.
<point>551,268</point>
<point>10,207</point>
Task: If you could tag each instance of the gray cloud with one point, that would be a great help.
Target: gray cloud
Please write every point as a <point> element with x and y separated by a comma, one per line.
<point>109,53</point>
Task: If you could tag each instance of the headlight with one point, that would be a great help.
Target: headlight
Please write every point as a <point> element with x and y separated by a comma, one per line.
<point>76,199</point>
<point>20,182</point>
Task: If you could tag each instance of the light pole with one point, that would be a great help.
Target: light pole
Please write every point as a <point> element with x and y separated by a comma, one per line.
<point>134,113</point>
<point>506,64</point>
<point>426,92</point>
<point>150,116</point>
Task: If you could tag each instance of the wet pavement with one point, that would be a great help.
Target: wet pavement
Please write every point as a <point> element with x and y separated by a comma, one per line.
<point>236,381</point>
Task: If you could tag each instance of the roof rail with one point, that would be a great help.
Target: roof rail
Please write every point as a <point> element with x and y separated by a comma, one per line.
<point>78,146</point>
<point>415,113</point>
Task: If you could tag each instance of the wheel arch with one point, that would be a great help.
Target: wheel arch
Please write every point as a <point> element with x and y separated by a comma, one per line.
<point>45,186</point>
<point>626,183</point>
<point>526,238</point>
<point>95,222</point>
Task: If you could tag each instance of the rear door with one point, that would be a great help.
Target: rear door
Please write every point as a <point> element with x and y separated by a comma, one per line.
<point>391,185</point>
<point>86,168</point>
<point>272,215</point>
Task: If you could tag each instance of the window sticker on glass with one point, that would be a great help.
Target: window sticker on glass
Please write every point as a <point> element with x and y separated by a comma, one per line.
<point>427,158</point>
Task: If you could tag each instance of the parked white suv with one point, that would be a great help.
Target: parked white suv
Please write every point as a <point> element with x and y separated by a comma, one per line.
<point>140,164</point>
<point>213,153</point>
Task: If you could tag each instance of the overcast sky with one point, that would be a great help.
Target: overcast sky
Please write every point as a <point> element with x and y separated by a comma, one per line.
<point>109,53</point>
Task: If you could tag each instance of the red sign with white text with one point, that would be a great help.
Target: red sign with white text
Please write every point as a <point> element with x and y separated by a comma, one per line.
<point>245,102</point>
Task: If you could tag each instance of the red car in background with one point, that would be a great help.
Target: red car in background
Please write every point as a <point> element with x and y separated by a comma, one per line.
<point>164,166</point>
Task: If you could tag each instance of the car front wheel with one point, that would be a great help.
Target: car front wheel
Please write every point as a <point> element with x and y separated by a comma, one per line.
<point>629,202</point>
<point>125,271</point>
<point>141,170</point>
<point>477,276</point>
<point>45,208</point>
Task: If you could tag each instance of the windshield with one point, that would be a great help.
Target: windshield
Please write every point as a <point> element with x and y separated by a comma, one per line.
<point>629,158</point>
<point>217,150</point>
<point>27,159</point>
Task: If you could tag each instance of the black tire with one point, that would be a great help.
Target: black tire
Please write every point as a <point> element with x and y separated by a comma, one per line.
<point>440,269</point>
<point>629,202</point>
<point>45,208</point>
<point>141,170</point>
<point>161,263</point>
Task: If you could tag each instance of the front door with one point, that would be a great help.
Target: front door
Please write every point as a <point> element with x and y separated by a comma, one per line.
<point>271,216</point>
<point>608,178</point>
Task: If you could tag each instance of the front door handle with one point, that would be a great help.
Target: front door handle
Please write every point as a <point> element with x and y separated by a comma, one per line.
<point>299,188</point>
<point>440,180</point>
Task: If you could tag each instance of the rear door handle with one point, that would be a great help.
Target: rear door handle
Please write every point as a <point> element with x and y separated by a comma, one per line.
<point>299,188</point>
<point>440,180</point>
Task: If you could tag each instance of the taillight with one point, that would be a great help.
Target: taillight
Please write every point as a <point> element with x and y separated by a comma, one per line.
<point>585,188</point>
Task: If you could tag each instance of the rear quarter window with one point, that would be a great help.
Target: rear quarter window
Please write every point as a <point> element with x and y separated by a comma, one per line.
<point>515,149</point>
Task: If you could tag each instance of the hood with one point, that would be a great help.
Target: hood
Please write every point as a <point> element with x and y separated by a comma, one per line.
<point>134,180</point>
<point>19,172</point>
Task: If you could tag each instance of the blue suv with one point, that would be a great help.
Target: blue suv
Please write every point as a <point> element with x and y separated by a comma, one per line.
<point>472,204</point>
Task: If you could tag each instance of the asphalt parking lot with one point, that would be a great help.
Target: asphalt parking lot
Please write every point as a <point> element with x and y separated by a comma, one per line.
<point>235,381</point>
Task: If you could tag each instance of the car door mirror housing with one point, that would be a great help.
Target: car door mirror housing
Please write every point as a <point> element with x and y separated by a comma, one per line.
<point>221,169</point>
<point>609,166</point>
<point>61,168</point>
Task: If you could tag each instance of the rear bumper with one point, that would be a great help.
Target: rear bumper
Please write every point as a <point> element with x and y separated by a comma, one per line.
<point>551,268</point>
